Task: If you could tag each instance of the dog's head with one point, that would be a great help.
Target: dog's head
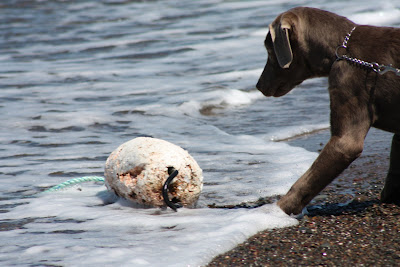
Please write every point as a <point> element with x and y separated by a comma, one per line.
<point>286,66</point>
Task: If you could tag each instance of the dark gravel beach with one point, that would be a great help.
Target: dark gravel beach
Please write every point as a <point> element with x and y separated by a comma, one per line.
<point>346,224</point>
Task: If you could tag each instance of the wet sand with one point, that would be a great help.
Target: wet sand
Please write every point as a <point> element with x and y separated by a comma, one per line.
<point>346,224</point>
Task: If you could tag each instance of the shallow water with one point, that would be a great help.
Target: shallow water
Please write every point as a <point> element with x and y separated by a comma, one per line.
<point>78,78</point>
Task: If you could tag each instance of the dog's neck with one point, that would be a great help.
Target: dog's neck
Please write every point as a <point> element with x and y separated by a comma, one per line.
<point>324,49</point>
<point>371,66</point>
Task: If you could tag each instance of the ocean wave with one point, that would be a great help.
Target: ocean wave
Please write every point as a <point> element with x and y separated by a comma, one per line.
<point>293,132</point>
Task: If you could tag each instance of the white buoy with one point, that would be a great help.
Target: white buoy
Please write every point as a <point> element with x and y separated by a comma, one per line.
<point>138,169</point>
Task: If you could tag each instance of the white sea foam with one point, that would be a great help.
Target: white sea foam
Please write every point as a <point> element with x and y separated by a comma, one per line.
<point>386,14</point>
<point>118,234</point>
<point>295,131</point>
<point>218,100</point>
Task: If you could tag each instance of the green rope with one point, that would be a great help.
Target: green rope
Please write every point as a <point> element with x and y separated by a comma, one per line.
<point>73,182</point>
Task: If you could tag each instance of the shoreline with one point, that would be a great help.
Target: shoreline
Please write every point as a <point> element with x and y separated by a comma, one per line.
<point>346,224</point>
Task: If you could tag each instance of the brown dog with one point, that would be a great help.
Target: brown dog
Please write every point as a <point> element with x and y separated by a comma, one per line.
<point>304,43</point>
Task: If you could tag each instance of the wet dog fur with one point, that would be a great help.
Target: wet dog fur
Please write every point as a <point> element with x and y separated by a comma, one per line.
<point>301,44</point>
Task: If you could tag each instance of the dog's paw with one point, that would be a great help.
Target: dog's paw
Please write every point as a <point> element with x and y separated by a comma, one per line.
<point>289,206</point>
<point>390,194</point>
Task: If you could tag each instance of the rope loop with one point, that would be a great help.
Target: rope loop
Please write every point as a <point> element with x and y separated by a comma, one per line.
<point>74,181</point>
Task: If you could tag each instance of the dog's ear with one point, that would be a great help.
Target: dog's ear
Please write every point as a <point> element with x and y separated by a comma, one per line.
<point>279,30</point>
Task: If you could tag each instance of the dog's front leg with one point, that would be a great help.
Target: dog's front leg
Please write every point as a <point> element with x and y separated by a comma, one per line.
<point>334,158</point>
<point>350,122</point>
<point>391,191</point>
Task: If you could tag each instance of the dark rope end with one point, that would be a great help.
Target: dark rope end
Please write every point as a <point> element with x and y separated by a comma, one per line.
<point>172,174</point>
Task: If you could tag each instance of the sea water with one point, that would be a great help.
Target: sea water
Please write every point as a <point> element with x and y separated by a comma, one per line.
<point>79,78</point>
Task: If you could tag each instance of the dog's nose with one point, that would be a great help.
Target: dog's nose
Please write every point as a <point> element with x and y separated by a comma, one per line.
<point>259,85</point>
